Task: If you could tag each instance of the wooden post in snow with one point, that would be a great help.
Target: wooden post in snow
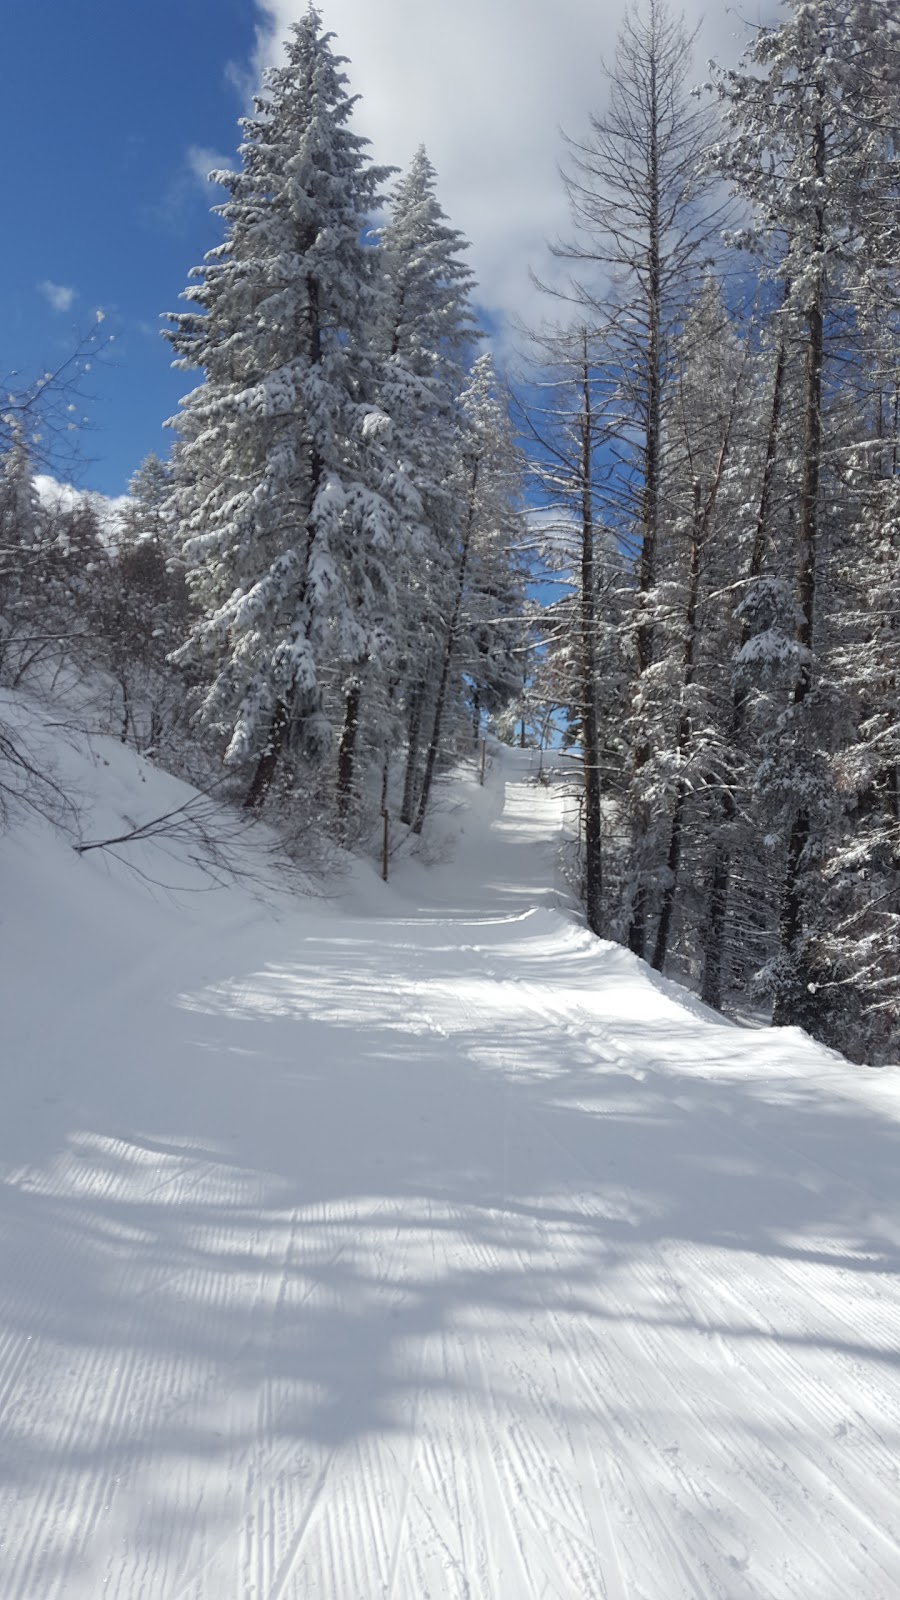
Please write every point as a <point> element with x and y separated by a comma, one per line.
<point>386,845</point>
<point>483,759</point>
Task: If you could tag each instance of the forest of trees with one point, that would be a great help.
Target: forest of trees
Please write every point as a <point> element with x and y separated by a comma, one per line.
<point>715,443</point>
<point>332,584</point>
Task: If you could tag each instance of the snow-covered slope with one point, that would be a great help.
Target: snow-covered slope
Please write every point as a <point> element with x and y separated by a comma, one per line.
<point>416,1246</point>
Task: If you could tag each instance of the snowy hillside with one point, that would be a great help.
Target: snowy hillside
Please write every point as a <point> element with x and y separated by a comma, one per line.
<point>414,1245</point>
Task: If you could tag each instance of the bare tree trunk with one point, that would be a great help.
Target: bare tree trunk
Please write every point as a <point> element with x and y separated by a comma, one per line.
<point>720,873</point>
<point>593,815</point>
<point>435,740</point>
<point>410,781</point>
<point>714,931</point>
<point>268,762</point>
<point>684,737</point>
<point>347,747</point>
<point>637,931</point>
<point>653,379</point>
<point>126,708</point>
<point>449,652</point>
<point>791,921</point>
<point>701,521</point>
<point>386,763</point>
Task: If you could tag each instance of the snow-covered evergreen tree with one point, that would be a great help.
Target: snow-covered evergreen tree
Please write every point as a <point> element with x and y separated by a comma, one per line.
<point>283,473</point>
<point>424,334</point>
<point>684,701</point>
<point>486,493</point>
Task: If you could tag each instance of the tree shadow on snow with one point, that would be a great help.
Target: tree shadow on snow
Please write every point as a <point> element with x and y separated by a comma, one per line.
<point>273,1229</point>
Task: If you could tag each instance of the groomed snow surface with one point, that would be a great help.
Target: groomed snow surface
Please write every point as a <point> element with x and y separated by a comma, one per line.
<point>413,1245</point>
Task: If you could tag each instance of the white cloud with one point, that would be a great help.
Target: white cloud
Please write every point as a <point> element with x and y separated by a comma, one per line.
<point>62,498</point>
<point>201,161</point>
<point>486,85</point>
<point>182,193</point>
<point>58,295</point>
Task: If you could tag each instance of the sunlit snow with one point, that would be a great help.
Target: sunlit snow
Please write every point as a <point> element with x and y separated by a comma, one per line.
<point>415,1244</point>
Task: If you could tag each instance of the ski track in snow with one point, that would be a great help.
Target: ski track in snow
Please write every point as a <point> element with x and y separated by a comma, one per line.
<point>432,1250</point>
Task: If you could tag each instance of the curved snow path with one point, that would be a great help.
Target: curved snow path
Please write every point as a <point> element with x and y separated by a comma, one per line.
<point>443,1254</point>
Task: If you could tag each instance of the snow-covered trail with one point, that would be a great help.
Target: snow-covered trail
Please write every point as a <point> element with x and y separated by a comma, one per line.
<point>432,1250</point>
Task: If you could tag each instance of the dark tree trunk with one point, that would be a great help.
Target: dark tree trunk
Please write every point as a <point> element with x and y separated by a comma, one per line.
<point>593,816</point>
<point>385,778</point>
<point>673,863</point>
<point>386,763</point>
<point>347,748</point>
<point>653,383</point>
<point>268,762</point>
<point>791,923</point>
<point>637,931</point>
<point>434,742</point>
<point>449,652</point>
<point>410,781</point>
<point>717,916</point>
<point>720,873</point>
<point>637,928</point>
<point>700,525</point>
<point>685,731</point>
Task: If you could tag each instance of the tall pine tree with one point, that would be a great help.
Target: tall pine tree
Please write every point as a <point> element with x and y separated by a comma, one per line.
<point>282,475</point>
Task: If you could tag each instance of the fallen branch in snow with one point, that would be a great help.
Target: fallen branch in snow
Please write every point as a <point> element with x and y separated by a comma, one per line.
<point>151,829</point>
<point>26,785</point>
<point>225,847</point>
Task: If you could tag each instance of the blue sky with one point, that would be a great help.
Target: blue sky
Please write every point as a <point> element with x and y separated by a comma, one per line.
<point>114,108</point>
<point>106,104</point>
